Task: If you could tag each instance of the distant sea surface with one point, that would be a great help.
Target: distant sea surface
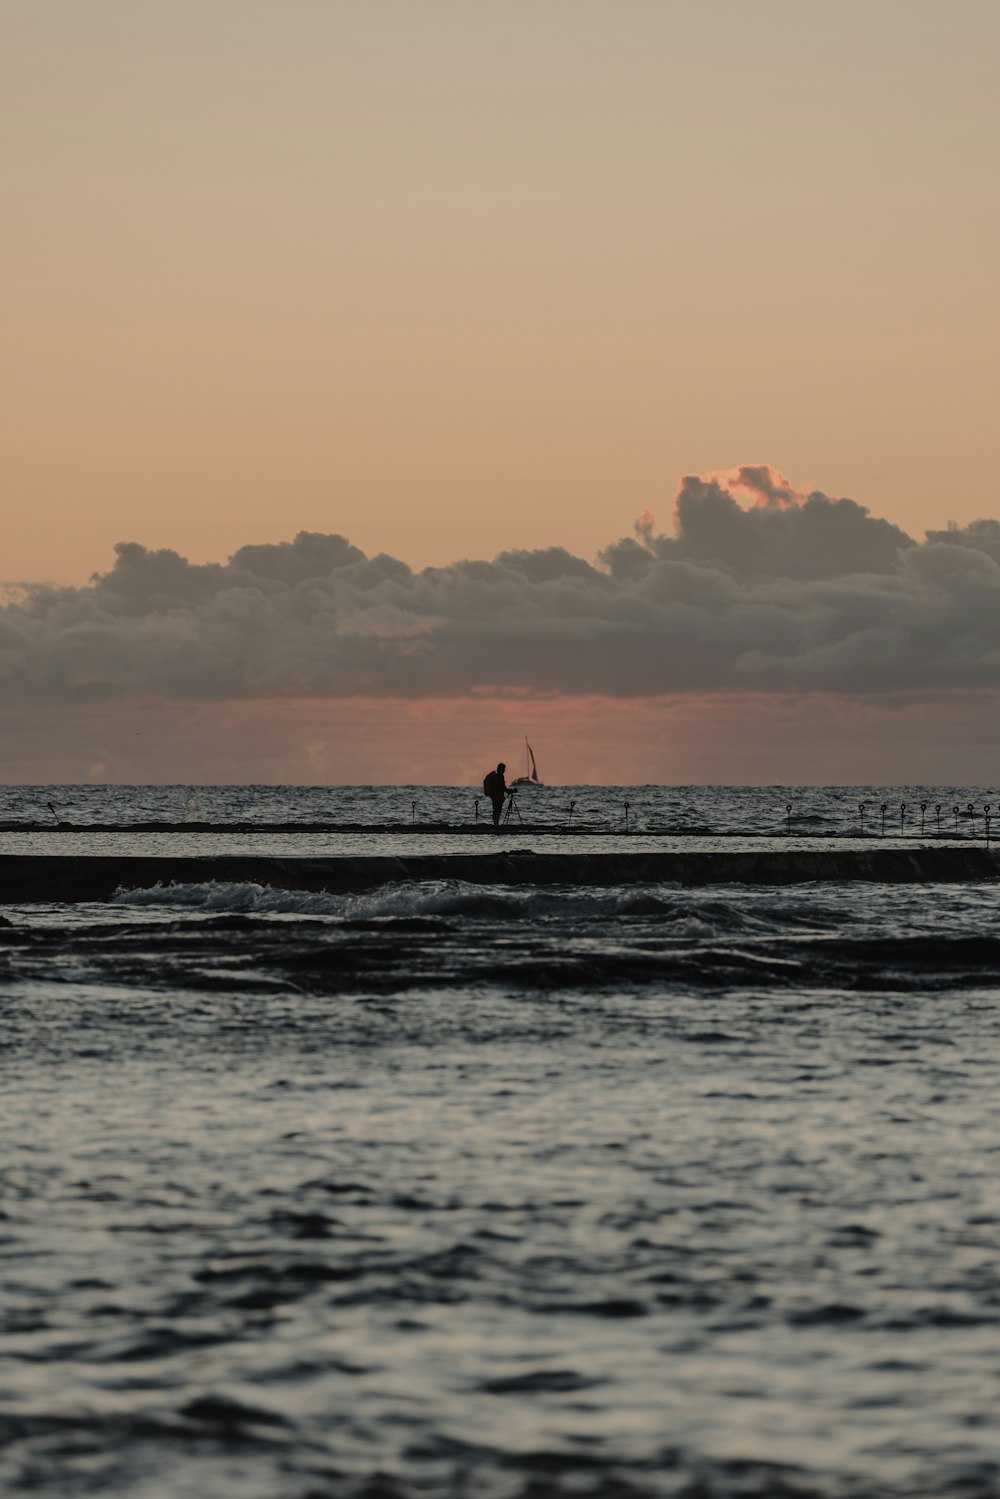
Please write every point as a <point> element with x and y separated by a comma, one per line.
<point>500,1192</point>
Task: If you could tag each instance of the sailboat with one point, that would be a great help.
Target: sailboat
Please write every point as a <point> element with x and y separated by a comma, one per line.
<point>530,777</point>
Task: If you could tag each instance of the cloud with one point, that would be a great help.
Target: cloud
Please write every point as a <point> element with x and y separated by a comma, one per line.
<point>981,536</point>
<point>782,534</point>
<point>759,588</point>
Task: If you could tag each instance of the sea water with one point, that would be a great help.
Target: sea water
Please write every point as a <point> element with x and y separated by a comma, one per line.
<point>442,1189</point>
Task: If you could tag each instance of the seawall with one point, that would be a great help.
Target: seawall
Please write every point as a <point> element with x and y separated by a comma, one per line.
<point>56,877</point>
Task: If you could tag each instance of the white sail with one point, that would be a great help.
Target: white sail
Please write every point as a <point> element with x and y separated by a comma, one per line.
<point>530,777</point>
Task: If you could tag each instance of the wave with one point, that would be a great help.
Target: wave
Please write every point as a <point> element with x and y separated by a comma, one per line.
<point>227,895</point>
<point>670,904</point>
<point>215,936</point>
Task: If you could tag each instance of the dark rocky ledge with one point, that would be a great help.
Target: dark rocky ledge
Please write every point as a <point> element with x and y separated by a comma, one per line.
<point>43,877</point>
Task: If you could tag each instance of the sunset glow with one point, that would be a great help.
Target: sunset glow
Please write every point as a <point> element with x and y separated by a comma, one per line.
<point>469,289</point>
<point>448,279</point>
<point>791,739</point>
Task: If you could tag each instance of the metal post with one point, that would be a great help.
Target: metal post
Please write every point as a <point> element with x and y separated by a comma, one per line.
<point>788,816</point>
<point>626,817</point>
<point>885,808</point>
<point>902,817</point>
<point>861,809</point>
<point>923,814</point>
<point>413,811</point>
<point>477,809</point>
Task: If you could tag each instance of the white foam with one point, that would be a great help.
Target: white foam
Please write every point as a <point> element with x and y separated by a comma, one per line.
<point>227,895</point>
<point>447,899</point>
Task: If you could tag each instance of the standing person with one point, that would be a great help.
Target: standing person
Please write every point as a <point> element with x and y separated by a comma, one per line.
<point>496,789</point>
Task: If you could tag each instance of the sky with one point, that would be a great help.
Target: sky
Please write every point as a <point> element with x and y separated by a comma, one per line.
<point>476,289</point>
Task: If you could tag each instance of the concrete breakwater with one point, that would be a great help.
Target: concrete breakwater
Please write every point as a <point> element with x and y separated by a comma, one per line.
<point>482,829</point>
<point>42,877</point>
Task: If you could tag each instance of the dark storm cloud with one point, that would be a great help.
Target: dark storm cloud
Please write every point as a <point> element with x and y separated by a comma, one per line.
<point>788,591</point>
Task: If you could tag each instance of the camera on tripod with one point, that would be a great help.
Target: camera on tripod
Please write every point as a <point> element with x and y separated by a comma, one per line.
<point>511,806</point>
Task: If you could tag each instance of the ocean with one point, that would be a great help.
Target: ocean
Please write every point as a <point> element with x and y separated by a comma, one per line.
<point>460,1187</point>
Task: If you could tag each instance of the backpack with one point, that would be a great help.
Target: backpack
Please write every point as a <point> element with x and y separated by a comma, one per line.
<point>490,784</point>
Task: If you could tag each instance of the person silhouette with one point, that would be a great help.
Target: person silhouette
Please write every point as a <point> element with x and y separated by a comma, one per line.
<point>496,789</point>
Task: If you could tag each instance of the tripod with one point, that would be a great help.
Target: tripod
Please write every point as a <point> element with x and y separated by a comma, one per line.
<point>512,806</point>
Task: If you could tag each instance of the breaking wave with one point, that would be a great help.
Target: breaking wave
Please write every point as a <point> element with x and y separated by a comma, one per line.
<point>457,899</point>
<point>223,895</point>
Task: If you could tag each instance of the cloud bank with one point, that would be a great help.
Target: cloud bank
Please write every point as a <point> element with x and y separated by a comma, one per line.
<point>757,588</point>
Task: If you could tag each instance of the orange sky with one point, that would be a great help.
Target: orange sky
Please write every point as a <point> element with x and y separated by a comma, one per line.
<point>685,740</point>
<point>451,277</point>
